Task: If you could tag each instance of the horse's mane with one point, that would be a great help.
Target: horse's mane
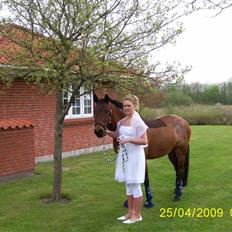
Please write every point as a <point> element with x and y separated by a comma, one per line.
<point>117,103</point>
<point>154,123</point>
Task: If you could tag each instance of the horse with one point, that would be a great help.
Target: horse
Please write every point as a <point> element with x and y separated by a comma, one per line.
<point>167,135</point>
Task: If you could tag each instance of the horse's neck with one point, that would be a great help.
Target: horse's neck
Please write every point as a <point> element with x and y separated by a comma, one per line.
<point>117,115</point>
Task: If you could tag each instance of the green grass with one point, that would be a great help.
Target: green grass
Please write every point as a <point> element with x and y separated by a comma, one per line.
<point>96,199</point>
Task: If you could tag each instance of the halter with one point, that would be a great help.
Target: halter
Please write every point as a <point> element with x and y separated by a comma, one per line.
<point>108,121</point>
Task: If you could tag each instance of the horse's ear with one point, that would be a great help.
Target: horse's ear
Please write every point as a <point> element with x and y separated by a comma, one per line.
<point>107,98</point>
<point>95,98</point>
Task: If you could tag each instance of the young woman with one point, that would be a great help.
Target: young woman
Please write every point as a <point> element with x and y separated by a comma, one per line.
<point>130,163</point>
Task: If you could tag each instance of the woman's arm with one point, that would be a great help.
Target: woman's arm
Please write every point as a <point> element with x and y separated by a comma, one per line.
<point>137,141</point>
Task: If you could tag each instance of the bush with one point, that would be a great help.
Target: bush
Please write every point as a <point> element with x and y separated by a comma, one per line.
<point>204,114</point>
<point>195,114</point>
<point>150,113</point>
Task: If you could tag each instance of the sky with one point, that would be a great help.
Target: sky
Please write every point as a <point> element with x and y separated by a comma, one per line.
<point>206,45</point>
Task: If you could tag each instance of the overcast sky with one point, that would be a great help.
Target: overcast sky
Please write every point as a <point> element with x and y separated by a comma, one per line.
<point>206,45</point>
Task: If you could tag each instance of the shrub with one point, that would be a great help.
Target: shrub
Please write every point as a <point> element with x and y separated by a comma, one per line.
<point>195,114</point>
<point>204,114</point>
<point>150,113</point>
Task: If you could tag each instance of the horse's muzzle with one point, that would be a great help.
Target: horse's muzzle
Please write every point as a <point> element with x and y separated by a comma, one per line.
<point>100,133</point>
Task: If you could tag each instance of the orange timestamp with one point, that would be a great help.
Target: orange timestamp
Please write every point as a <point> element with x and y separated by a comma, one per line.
<point>192,212</point>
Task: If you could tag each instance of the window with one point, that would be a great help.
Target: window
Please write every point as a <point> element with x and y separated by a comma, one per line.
<point>82,106</point>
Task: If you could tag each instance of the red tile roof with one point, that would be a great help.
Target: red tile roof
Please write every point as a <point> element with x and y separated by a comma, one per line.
<point>15,124</point>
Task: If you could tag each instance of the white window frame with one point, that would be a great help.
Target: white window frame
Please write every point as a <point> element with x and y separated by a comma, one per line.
<point>70,115</point>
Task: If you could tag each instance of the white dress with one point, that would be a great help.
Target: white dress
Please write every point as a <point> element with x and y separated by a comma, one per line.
<point>132,170</point>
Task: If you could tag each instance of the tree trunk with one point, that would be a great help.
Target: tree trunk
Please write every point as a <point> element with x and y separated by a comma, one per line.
<point>58,134</point>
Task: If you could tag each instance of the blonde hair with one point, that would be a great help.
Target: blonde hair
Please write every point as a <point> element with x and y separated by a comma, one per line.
<point>134,99</point>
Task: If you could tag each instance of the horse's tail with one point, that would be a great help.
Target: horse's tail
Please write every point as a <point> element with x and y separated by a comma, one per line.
<point>186,168</point>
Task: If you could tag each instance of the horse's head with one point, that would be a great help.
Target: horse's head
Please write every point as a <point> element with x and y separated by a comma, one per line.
<point>102,114</point>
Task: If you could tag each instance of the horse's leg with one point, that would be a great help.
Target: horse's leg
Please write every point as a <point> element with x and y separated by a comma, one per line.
<point>180,154</point>
<point>172,157</point>
<point>125,204</point>
<point>148,203</point>
<point>186,168</point>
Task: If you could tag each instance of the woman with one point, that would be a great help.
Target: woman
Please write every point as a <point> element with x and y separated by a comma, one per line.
<point>130,163</point>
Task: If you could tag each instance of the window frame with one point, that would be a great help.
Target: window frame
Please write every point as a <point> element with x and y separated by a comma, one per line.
<point>70,115</point>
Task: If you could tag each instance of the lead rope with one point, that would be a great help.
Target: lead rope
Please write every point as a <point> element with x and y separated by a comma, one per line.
<point>107,158</point>
<point>124,154</point>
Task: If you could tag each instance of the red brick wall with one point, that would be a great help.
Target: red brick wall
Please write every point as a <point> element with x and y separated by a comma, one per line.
<point>17,152</point>
<point>79,134</point>
<point>23,101</point>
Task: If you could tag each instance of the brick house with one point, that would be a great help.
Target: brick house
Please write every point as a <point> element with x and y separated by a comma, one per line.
<point>27,119</point>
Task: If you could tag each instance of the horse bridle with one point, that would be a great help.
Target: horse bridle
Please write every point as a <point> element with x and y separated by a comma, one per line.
<point>108,121</point>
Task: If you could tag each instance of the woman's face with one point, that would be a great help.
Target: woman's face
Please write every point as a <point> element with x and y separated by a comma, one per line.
<point>128,107</point>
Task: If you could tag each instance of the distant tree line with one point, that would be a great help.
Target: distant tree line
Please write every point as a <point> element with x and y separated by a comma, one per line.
<point>187,94</point>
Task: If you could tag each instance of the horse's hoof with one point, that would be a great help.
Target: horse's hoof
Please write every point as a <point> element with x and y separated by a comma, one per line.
<point>178,193</point>
<point>176,198</point>
<point>125,204</point>
<point>148,204</point>
<point>185,184</point>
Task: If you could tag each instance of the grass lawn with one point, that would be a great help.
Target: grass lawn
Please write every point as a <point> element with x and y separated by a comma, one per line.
<point>96,199</point>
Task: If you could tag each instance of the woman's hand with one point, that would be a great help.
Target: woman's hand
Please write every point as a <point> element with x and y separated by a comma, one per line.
<point>136,141</point>
<point>123,140</point>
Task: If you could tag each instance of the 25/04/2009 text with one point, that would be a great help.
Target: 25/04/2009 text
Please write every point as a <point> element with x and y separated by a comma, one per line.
<point>195,212</point>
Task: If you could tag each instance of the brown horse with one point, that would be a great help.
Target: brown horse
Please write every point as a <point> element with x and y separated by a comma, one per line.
<point>168,134</point>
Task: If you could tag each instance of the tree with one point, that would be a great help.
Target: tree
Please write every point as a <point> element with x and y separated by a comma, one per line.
<point>177,98</point>
<point>218,6</point>
<point>84,42</point>
<point>211,94</point>
<point>228,93</point>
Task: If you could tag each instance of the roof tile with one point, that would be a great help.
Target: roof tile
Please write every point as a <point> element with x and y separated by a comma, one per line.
<point>15,124</point>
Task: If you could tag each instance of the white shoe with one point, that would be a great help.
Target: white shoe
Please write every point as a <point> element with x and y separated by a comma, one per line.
<point>131,221</point>
<point>122,218</point>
